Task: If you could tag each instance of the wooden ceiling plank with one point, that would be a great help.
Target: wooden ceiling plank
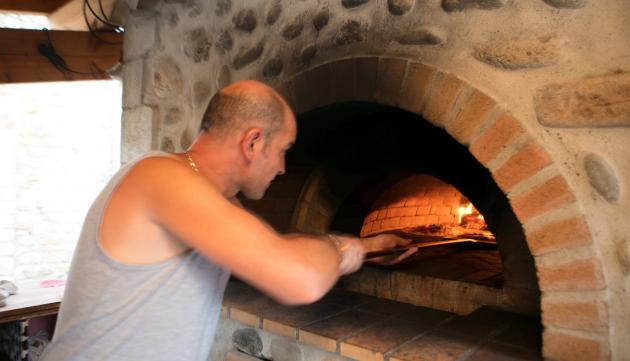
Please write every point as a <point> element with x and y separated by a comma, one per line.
<point>25,42</point>
<point>31,6</point>
<point>21,62</point>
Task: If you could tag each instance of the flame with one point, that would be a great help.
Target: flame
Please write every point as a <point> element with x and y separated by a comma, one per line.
<point>462,211</point>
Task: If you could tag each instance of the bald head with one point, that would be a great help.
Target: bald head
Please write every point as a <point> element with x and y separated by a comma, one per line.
<point>242,105</point>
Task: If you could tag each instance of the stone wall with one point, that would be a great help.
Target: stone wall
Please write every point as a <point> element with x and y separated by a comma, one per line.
<point>538,90</point>
<point>58,146</point>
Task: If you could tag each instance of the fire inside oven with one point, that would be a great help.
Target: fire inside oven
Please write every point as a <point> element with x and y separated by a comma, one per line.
<point>450,234</point>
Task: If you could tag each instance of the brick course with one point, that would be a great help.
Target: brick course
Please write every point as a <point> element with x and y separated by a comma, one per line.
<point>496,138</point>
<point>389,80</point>
<point>474,112</point>
<point>559,345</point>
<point>528,161</point>
<point>552,194</point>
<point>558,235</point>
<point>574,314</point>
<point>366,70</point>
<point>417,84</point>
<point>442,98</point>
<point>580,275</point>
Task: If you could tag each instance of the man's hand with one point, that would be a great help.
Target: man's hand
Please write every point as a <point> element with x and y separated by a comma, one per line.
<point>352,252</point>
<point>383,242</point>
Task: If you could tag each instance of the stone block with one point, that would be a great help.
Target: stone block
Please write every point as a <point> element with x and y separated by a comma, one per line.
<point>461,5</point>
<point>352,31</point>
<point>601,101</point>
<point>139,35</point>
<point>197,45</point>
<point>353,3</point>
<point>248,341</point>
<point>623,254</point>
<point>399,7</point>
<point>132,83</point>
<point>307,54</point>
<point>566,4</point>
<point>245,20</point>
<point>272,68</point>
<point>321,19</point>
<point>293,29</point>
<point>514,54</point>
<point>137,132</point>
<point>274,9</point>
<point>223,7</point>
<point>163,79</point>
<point>602,177</point>
<point>248,55</point>
<point>422,36</point>
<point>224,42</point>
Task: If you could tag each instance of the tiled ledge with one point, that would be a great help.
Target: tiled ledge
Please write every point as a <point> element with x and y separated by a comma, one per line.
<point>366,328</point>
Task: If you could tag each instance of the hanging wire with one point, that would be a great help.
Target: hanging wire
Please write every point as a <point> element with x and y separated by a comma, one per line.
<point>106,22</point>
<point>92,30</point>
<point>100,5</point>
<point>48,50</point>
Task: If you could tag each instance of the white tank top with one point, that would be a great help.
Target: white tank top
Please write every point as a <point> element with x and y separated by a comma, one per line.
<point>113,311</point>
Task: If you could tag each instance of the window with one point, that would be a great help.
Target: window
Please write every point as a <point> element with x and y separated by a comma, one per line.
<point>59,144</point>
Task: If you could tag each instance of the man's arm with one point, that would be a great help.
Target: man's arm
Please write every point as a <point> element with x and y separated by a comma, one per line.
<point>188,206</point>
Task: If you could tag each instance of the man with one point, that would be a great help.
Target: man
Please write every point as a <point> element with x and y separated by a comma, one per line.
<point>160,242</point>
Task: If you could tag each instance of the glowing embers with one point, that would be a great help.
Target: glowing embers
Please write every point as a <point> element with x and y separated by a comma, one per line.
<point>423,205</point>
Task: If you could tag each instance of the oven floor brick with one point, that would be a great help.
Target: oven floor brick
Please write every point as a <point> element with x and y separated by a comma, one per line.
<point>366,328</point>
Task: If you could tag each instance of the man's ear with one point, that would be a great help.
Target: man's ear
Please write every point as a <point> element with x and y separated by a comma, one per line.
<point>252,142</point>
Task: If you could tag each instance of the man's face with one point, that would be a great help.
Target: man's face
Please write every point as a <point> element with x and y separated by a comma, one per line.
<point>270,162</point>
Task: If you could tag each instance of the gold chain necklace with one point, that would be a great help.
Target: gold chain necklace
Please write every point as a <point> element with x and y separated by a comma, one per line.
<point>191,162</point>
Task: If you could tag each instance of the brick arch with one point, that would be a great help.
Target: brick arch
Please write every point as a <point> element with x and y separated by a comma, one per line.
<point>555,228</point>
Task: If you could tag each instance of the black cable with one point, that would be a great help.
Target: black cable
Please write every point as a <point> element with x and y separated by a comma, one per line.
<point>100,5</point>
<point>119,28</point>
<point>87,2</point>
<point>92,31</point>
<point>48,50</point>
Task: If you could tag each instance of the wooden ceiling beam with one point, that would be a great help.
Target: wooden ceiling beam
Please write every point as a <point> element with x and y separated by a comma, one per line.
<point>20,61</point>
<point>31,6</point>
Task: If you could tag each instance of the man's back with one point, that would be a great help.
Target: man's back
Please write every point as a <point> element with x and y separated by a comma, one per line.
<point>115,311</point>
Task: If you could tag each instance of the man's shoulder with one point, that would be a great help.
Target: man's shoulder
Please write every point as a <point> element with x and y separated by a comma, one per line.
<point>152,162</point>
